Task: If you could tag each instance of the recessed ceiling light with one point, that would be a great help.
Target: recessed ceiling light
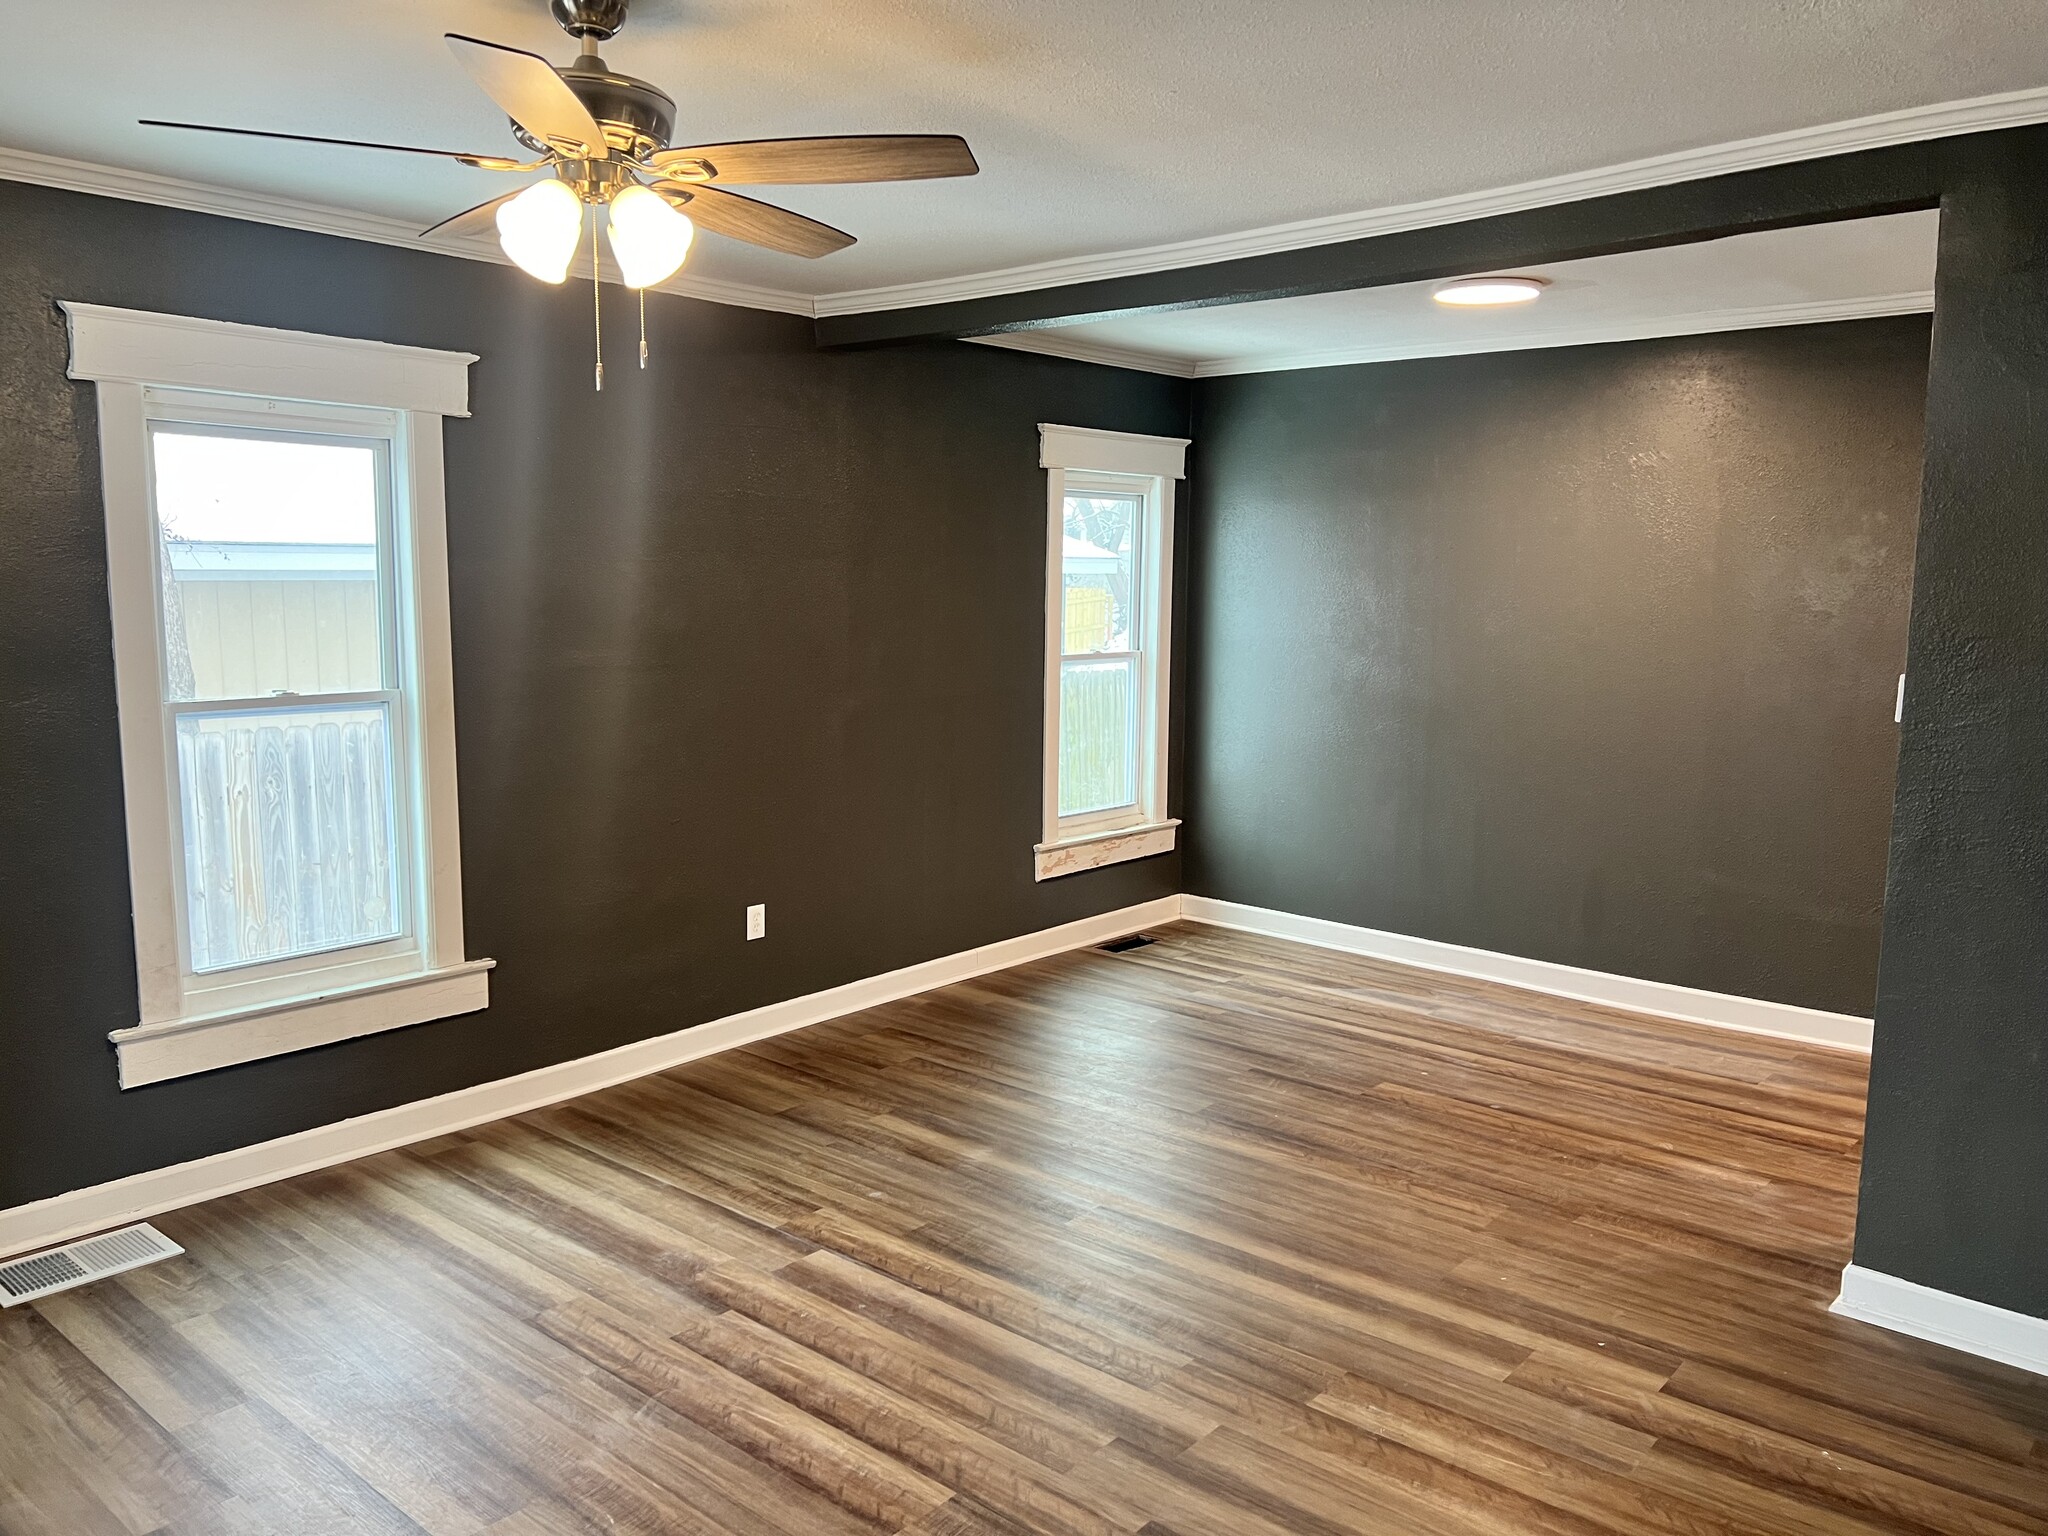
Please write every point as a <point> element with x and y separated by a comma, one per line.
<point>1477,292</point>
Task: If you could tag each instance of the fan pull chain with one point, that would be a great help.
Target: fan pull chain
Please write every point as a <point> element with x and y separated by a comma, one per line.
<point>596,301</point>
<point>643,327</point>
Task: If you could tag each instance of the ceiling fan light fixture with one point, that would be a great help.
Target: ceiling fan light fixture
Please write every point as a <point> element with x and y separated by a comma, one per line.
<point>649,236</point>
<point>604,136</point>
<point>541,228</point>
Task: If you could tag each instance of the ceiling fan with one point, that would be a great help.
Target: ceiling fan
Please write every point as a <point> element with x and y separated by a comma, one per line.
<point>604,137</point>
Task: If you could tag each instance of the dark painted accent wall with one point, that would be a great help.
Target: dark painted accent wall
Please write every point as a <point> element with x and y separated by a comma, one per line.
<point>1955,1171</point>
<point>762,624</point>
<point>1584,654</point>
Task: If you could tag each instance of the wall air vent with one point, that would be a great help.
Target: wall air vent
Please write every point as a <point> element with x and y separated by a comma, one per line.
<point>80,1263</point>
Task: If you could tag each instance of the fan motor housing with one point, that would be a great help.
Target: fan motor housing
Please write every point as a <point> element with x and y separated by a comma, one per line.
<point>636,117</point>
<point>600,19</point>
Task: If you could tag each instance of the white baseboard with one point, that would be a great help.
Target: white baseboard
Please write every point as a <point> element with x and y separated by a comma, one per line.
<point>66,1216</point>
<point>62,1217</point>
<point>1941,1317</point>
<point>1662,998</point>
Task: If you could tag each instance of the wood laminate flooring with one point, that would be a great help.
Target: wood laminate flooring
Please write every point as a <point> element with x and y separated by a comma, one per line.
<point>1219,1237</point>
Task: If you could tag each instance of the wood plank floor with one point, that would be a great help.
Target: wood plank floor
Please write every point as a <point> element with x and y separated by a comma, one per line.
<point>1220,1237</point>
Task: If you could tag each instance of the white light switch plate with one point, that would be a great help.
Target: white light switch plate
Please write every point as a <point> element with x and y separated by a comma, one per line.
<point>757,921</point>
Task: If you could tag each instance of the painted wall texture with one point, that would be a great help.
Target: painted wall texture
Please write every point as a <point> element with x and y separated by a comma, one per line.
<point>1955,1168</point>
<point>1585,654</point>
<point>763,624</point>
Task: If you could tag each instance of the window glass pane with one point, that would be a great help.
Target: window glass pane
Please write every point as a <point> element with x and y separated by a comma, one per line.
<point>289,831</point>
<point>1099,568</point>
<point>1098,752</point>
<point>269,565</point>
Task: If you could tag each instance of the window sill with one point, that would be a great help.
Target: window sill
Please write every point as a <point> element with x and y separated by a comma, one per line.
<point>1072,855</point>
<point>152,1053</point>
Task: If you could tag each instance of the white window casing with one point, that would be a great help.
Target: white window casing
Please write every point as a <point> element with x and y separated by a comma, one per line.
<point>1081,461</point>
<point>284,386</point>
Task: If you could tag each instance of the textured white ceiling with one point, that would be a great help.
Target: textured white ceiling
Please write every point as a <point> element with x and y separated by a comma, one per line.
<point>1778,276</point>
<point>1099,127</point>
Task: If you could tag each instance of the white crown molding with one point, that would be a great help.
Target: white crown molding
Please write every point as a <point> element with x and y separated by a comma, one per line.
<point>1699,323</point>
<point>1942,1317</point>
<point>1977,114</point>
<point>1662,999</point>
<point>1056,343</point>
<point>290,213</point>
<point>2010,109</point>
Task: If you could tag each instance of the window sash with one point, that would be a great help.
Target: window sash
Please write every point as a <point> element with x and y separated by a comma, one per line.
<point>401,943</point>
<point>263,980</point>
<point>1076,487</point>
<point>185,416</point>
<point>1076,772</point>
<point>280,701</point>
<point>1145,749</point>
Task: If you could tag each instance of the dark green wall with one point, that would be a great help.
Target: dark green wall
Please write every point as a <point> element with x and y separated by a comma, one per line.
<point>763,624</point>
<point>1955,1172</point>
<point>1583,654</point>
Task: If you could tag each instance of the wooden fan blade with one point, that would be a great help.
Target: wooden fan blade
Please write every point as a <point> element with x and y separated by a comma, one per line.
<point>526,87</point>
<point>741,218</point>
<point>471,221</point>
<point>849,157</point>
<point>486,162</point>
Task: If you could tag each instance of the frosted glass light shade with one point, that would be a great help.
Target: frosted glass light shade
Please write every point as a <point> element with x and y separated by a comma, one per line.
<point>540,229</point>
<point>649,236</point>
<point>1486,292</point>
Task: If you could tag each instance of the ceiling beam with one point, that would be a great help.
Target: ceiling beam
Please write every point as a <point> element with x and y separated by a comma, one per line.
<point>1895,179</point>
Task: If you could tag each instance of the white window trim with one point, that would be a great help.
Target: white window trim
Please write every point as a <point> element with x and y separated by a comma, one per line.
<point>127,353</point>
<point>1151,464</point>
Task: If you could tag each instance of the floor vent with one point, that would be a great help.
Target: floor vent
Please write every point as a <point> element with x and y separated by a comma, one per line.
<point>41,1274</point>
<point>1129,941</point>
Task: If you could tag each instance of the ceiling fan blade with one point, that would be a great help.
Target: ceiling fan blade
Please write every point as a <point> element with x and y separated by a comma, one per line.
<point>526,87</point>
<point>471,221</point>
<point>487,162</point>
<point>741,218</point>
<point>814,162</point>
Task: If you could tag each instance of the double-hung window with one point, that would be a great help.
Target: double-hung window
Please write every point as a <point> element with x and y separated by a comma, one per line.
<point>1108,623</point>
<point>278,575</point>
